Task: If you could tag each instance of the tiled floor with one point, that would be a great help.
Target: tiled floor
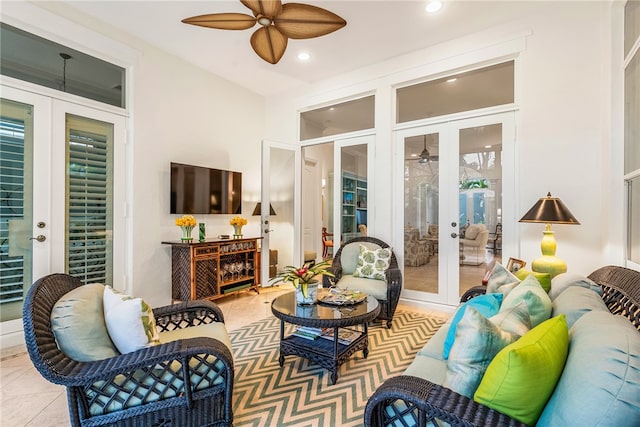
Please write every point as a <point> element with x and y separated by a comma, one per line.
<point>26,399</point>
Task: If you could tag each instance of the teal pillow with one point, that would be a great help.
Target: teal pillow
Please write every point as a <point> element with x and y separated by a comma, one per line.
<point>575,301</point>
<point>522,376</point>
<point>537,300</point>
<point>373,263</point>
<point>600,384</point>
<point>543,278</point>
<point>488,305</point>
<point>77,321</point>
<point>478,340</point>
<point>565,280</point>
<point>501,280</point>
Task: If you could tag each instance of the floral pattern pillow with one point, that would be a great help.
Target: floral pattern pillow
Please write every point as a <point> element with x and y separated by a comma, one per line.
<point>373,263</point>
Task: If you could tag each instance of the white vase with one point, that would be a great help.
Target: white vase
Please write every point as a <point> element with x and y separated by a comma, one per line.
<point>310,298</point>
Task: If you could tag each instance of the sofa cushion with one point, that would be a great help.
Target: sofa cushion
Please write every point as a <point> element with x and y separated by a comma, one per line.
<point>488,305</point>
<point>215,330</point>
<point>130,321</point>
<point>373,263</point>
<point>349,255</point>
<point>543,278</point>
<point>537,300</point>
<point>600,385</point>
<point>77,321</point>
<point>477,342</point>
<point>375,288</point>
<point>522,376</point>
<point>429,368</point>
<point>435,346</point>
<point>576,301</point>
<point>501,280</point>
<point>562,281</point>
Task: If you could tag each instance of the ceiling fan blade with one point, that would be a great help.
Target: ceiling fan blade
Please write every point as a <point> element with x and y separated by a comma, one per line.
<point>223,21</point>
<point>269,44</point>
<point>268,8</point>
<point>303,21</point>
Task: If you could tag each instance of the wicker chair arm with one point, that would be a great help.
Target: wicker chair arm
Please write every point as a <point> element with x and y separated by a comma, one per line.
<point>394,285</point>
<point>85,373</point>
<point>187,313</point>
<point>328,281</point>
<point>432,402</point>
<point>473,292</point>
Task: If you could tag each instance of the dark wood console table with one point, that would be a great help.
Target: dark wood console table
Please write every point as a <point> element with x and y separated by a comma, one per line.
<point>214,268</point>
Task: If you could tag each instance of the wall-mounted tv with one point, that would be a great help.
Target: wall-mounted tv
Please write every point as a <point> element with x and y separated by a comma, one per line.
<point>201,190</point>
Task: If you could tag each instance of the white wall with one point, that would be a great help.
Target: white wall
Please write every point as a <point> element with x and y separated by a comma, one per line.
<point>564,97</point>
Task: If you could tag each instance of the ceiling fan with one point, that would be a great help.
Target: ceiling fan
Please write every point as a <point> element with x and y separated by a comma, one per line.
<point>424,156</point>
<point>279,22</point>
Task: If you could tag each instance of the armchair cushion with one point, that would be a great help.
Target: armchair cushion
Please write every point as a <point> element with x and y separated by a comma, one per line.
<point>349,255</point>
<point>215,330</point>
<point>373,263</point>
<point>77,321</point>
<point>375,288</point>
<point>520,379</point>
<point>130,321</point>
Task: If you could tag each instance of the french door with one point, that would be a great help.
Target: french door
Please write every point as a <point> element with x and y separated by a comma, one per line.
<point>450,176</point>
<point>61,176</point>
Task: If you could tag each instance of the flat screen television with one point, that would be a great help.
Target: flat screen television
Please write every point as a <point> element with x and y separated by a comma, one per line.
<point>201,190</point>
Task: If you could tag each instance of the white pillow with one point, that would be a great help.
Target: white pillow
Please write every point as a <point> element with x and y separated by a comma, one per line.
<point>130,321</point>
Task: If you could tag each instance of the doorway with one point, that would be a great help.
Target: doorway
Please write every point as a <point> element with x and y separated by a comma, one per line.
<point>453,203</point>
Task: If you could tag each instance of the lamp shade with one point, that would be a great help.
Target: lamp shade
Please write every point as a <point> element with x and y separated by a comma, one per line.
<point>258,209</point>
<point>550,210</point>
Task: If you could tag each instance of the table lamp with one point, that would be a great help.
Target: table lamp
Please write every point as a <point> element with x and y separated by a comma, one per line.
<point>258,209</point>
<point>549,210</point>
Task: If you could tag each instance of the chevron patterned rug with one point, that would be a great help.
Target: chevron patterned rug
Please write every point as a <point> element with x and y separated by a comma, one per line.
<point>300,393</point>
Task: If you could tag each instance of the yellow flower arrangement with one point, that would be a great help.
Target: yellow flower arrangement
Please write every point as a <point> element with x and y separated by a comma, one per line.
<point>186,221</point>
<point>238,220</point>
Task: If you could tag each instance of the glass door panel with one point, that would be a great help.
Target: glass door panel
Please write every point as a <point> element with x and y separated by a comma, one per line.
<point>353,191</point>
<point>480,201</point>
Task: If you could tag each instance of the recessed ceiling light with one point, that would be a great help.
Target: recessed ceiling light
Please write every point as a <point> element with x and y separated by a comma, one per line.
<point>304,56</point>
<point>487,146</point>
<point>452,79</point>
<point>433,6</point>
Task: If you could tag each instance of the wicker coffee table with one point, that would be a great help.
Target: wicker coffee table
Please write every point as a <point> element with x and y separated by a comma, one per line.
<point>329,354</point>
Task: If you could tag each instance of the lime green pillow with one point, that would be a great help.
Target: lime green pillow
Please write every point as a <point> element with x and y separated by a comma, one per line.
<point>522,376</point>
<point>543,278</point>
<point>373,263</point>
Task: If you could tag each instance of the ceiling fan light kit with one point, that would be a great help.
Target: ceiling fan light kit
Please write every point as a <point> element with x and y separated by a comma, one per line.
<point>280,22</point>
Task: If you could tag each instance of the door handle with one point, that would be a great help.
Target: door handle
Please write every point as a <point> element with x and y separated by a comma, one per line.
<point>266,230</point>
<point>40,238</point>
<point>454,235</point>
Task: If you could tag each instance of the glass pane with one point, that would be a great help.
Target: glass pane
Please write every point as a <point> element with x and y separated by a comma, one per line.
<point>465,91</point>
<point>633,235</point>
<point>631,114</point>
<point>480,198</point>
<point>28,57</point>
<point>16,206</point>
<point>317,215</point>
<point>354,192</point>
<point>421,204</point>
<point>89,200</point>
<point>338,118</point>
<point>631,24</point>
<point>281,191</point>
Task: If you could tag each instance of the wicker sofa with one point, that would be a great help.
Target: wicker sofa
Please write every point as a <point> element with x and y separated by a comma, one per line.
<point>599,383</point>
<point>186,380</point>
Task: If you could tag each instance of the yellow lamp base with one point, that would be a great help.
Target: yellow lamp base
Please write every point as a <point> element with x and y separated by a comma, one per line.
<point>549,264</point>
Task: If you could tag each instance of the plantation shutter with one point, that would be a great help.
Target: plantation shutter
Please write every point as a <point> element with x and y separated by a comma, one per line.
<point>89,199</point>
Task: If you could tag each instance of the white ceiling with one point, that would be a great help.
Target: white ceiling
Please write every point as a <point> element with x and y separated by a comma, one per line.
<point>375,31</point>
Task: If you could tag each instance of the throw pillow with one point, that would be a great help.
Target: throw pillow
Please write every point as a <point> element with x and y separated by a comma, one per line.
<point>129,320</point>
<point>600,383</point>
<point>565,280</point>
<point>373,263</point>
<point>575,301</point>
<point>501,280</point>
<point>77,321</point>
<point>478,340</point>
<point>537,300</point>
<point>543,278</point>
<point>487,304</point>
<point>522,376</point>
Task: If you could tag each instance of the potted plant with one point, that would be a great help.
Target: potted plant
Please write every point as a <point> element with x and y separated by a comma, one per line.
<point>304,279</point>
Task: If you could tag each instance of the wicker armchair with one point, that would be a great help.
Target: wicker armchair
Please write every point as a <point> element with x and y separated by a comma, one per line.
<point>411,401</point>
<point>187,382</point>
<point>393,276</point>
